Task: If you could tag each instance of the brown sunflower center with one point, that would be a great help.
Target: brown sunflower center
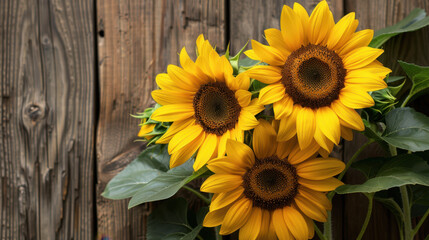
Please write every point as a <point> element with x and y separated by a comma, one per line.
<point>271,183</point>
<point>313,76</point>
<point>216,108</point>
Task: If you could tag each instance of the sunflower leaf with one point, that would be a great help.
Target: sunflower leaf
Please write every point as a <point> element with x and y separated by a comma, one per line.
<point>407,129</point>
<point>383,174</point>
<point>415,20</point>
<point>419,76</point>
<point>152,162</point>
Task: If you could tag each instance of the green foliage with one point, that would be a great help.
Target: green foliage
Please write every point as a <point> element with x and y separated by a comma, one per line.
<point>415,20</point>
<point>419,77</point>
<point>170,220</point>
<point>148,178</point>
<point>386,173</point>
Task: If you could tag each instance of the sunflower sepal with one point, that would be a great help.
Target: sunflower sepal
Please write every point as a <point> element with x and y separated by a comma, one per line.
<point>235,60</point>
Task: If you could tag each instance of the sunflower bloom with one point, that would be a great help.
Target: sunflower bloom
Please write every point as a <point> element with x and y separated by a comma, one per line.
<point>318,73</point>
<point>274,191</point>
<point>205,103</point>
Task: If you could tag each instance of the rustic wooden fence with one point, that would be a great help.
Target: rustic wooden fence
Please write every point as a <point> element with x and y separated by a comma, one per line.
<point>72,72</point>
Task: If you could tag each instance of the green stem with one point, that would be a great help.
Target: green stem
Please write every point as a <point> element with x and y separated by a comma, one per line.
<point>407,213</point>
<point>327,228</point>
<point>406,101</point>
<point>349,163</point>
<point>420,223</point>
<point>217,230</point>
<point>318,232</point>
<point>198,194</point>
<point>368,215</point>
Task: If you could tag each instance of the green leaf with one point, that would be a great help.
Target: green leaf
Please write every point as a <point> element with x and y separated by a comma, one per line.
<point>169,220</point>
<point>170,217</point>
<point>419,76</point>
<point>150,164</point>
<point>392,172</point>
<point>166,184</point>
<point>407,129</point>
<point>415,20</point>
<point>392,79</point>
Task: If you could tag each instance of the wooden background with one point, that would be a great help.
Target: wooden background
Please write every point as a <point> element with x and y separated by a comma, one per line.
<point>72,72</point>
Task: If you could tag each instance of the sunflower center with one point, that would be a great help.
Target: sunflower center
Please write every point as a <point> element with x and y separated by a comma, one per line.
<point>313,76</point>
<point>271,183</point>
<point>216,108</point>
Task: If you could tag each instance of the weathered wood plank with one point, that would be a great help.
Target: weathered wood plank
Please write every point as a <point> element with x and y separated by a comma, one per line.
<point>47,119</point>
<point>136,40</point>
<point>411,47</point>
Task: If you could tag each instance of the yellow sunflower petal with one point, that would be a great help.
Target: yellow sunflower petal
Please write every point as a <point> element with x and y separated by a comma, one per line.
<point>236,216</point>
<point>173,112</point>
<point>183,79</point>
<point>342,31</point>
<point>218,183</point>
<point>252,55</point>
<point>367,84</point>
<point>305,20</point>
<point>285,148</point>
<point>183,154</point>
<point>200,41</point>
<point>243,81</point>
<point>165,97</point>
<point>215,218</point>
<point>321,24</point>
<point>243,97</point>
<point>173,129</point>
<point>267,231</point>
<point>271,93</point>
<point>275,39</point>
<point>291,28</point>
<point>166,83</point>
<point>184,137</point>
<point>264,138</point>
<point>241,153</point>
<point>346,133</point>
<point>265,74</point>
<point>225,198</point>
<point>310,225</point>
<point>280,225</point>
<point>222,144</point>
<point>319,168</point>
<point>355,98</point>
<point>218,64</point>
<point>298,155</point>
<point>287,127</point>
<point>375,68</point>
<point>322,140</point>
<point>190,66</point>
<point>206,151</point>
<point>324,185</point>
<point>316,197</point>
<point>268,54</point>
<point>305,126</point>
<point>348,115</point>
<point>361,57</point>
<point>296,223</point>
<point>226,165</point>
<point>254,107</point>
<point>251,228</point>
<point>358,39</point>
<point>145,129</point>
<point>311,209</point>
<point>247,121</point>
<point>283,108</point>
<point>328,123</point>
<point>237,134</point>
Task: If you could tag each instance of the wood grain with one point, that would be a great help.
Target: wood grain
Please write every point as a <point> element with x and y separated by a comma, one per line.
<point>47,119</point>
<point>136,40</point>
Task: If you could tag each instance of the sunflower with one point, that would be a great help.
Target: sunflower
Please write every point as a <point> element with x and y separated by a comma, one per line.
<point>318,73</point>
<point>275,190</point>
<point>145,130</point>
<point>205,103</point>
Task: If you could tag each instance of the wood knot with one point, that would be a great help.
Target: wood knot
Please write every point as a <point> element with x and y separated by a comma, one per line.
<point>34,112</point>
